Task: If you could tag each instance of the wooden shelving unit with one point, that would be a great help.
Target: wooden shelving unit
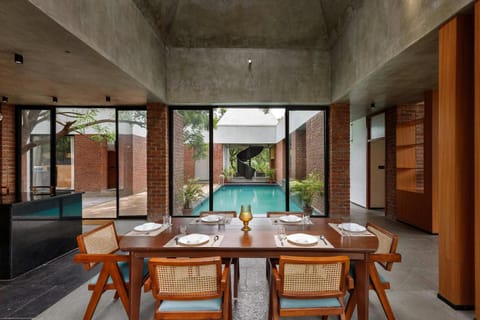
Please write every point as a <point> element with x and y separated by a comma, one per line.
<point>414,167</point>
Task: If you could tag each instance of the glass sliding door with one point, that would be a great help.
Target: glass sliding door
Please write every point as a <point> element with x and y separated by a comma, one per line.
<point>86,158</point>
<point>132,162</point>
<point>307,160</point>
<point>35,150</point>
<point>190,164</point>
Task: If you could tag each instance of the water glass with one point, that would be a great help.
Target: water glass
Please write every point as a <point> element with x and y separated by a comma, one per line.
<point>167,220</point>
<point>183,229</point>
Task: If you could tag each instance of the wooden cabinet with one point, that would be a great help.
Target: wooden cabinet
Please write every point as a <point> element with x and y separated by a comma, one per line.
<point>410,152</point>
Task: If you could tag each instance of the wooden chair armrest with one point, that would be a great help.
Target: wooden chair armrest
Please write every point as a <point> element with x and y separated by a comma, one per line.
<point>276,277</point>
<point>225,275</point>
<point>119,237</point>
<point>350,283</point>
<point>389,257</point>
<point>98,258</point>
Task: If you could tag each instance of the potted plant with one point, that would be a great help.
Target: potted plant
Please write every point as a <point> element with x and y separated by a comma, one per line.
<point>307,189</point>
<point>192,191</point>
<point>270,174</point>
<point>228,173</point>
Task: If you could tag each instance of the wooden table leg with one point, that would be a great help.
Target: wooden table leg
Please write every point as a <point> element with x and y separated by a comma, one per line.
<point>361,287</point>
<point>135,290</point>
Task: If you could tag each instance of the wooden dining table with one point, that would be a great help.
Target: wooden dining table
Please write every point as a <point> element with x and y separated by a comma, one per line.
<point>257,243</point>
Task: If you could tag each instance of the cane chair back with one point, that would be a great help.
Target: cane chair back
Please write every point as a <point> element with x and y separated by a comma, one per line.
<point>193,288</point>
<point>101,240</point>
<point>309,286</point>
<point>387,244</point>
<point>234,261</point>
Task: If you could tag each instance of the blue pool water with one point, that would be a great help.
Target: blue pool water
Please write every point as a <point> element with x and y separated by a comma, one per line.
<point>262,198</point>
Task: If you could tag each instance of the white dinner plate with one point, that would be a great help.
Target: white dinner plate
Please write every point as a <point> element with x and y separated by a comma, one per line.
<point>302,239</point>
<point>210,218</point>
<point>290,218</point>
<point>352,227</point>
<point>194,239</point>
<point>149,226</point>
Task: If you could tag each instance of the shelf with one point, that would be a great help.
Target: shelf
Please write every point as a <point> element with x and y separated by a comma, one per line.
<point>409,168</point>
<point>410,123</point>
<point>409,145</point>
<point>413,190</point>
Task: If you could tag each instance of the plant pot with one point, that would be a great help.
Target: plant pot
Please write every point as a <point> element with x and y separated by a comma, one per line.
<point>187,211</point>
<point>308,211</point>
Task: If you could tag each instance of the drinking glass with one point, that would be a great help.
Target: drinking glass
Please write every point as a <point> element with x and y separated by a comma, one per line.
<point>183,229</point>
<point>167,220</point>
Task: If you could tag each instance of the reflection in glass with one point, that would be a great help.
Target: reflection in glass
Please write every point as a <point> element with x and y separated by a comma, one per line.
<point>132,161</point>
<point>35,152</point>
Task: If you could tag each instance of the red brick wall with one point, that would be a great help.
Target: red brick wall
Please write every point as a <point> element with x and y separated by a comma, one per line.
<point>280,162</point>
<point>157,161</point>
<point>178,160</point>
<point>90,164</point>
<point>298,154</point>
<point>7,153</point>
<point>217,162</point>
<point>391,161</point>
<point>139,172</point>
<point>339,148</point>
<point>125,163</point>
<point>315,150</point>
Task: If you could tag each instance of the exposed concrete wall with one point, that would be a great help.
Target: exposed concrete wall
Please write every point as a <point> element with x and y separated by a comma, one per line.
<point>219,75</point>
<point>119,32</point>
<point>380,30</point>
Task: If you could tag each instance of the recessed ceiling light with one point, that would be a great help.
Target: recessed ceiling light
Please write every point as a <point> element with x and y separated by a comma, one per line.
<point>54,99</point>
<point>4,99</point>
<point>107,98</point>
<point>18,58</point>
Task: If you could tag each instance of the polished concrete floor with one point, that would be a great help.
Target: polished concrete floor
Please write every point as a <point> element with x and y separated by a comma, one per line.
<point>413,294</point>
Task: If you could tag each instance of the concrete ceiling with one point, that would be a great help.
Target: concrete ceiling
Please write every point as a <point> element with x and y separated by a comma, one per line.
<point>56,64</point>
<point>248,23</point>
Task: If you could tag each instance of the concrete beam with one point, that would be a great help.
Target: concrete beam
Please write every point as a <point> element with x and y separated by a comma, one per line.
<point>118,31</point>
<point>380,30</point>
<point>219,75</point>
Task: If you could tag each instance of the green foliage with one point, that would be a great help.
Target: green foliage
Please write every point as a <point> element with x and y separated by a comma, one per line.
<point>192,191</point>
<point>308,188</point>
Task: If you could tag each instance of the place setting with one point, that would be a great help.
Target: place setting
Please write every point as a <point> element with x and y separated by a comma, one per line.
<point>148,229</point>
<point>296,240</point>
<point>291,219</point>
<point>212,219</point>
<point>194,239</point>
<point>351,229</point>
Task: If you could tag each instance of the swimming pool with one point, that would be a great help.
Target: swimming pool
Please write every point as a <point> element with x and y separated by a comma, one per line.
<point>262,198</point>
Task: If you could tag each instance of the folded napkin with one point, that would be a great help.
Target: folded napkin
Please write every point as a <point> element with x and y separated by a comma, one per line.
<point>211,242</point>
<point>288,244</point>
<point>350,234</point>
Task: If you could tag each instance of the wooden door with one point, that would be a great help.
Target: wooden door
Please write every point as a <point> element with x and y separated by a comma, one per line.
<point>112,170</point>
<point>377,173</point>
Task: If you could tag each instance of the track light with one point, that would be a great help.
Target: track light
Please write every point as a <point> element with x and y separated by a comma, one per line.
<point>107,98</point>
<point>4,99</point>
<point>54,99</point>
<point>18,58</point>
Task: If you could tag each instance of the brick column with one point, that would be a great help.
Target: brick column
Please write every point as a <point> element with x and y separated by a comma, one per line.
<point>339,167</point>
<point>7,153</point>
<point>391,162</point>
<point>157,161</point>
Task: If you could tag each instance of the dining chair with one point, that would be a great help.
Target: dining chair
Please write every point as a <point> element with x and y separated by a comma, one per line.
<point>100,246</point>
<point>277,214</point>
<point>190,288</point>
<point>309,286</point>
<point>234,261</point>
<point>385,256</point>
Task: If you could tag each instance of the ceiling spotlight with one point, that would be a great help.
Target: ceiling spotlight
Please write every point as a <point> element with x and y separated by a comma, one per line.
<point>4,99</point>
<point>18,58</point>
<point>54,99</point>
<point>249,64</point>
<point>372,105</point>
<point>107,98</point>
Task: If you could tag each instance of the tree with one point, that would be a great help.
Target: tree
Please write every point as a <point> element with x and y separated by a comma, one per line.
<point>73,121</point>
